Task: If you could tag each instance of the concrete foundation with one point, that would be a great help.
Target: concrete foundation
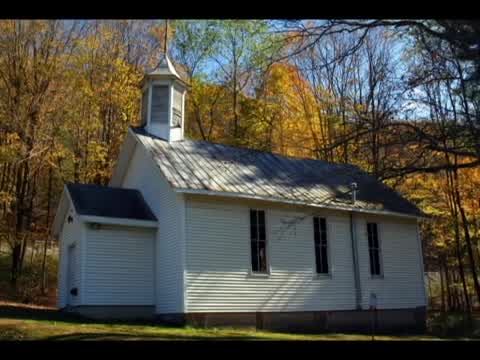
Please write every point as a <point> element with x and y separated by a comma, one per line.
<point>114,312</point>
<point>385,321</point>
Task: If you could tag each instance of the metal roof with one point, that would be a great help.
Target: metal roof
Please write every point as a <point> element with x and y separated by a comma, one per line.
<point>95,200</point>
<point>164,67</point>
<point>205,167</point>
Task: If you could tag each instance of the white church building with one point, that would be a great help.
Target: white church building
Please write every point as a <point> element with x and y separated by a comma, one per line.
<point>204,234</point>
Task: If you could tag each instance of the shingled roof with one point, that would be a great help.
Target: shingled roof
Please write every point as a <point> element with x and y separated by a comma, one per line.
<point>205,167</point>
<point>109,202</point>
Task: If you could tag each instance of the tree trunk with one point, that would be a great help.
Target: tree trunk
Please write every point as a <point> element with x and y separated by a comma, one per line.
<point>442,289</point>
<point>45,245</point>
<point>448,287</point>
<point>460,264</point>
<point>469,243</point>
<point>16,250</point>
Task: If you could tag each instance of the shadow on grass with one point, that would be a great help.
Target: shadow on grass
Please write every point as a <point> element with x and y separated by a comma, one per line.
<point>39,314</point>
<point>21,312</point>
<point>27,313</point>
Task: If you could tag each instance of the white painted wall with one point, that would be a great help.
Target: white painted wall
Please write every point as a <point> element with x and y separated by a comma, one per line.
<point>218,261</point>
<point>119,268</point>
<point>72,234</point>
<point>144,175</point>
<point>401,284</point>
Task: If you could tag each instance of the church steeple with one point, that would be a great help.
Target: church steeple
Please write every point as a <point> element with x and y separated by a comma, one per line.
<point>163,101</point>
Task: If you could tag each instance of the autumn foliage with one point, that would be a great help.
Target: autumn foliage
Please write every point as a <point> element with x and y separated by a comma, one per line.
<point>69,90</point>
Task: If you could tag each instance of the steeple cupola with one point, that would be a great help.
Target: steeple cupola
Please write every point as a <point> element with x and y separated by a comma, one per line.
<point>163,101</point>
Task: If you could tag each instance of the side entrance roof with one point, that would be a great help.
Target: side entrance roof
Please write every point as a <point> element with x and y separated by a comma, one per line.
<point>104,204</point>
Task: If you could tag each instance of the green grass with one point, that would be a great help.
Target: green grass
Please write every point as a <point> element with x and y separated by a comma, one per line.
<point>20,329</point>
<point>27,322</point>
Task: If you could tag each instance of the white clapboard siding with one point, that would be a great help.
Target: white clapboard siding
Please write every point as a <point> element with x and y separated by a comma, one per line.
<point>119,266</point>
<point>218,262</point>
<point>143,174</point>
<point>401,284</point>
<point>71,235</point>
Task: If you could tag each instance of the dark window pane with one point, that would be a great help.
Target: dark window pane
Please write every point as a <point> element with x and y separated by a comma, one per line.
<point>318,260</point>
<point>254,256</point>
<point>377,262</point>
<point>253,232</point>
<point>320,240</point>
<point>261,232</point>
<point>369,231</point>
<point>324,238</point>
<point>316,230</point>
<point>261,218</point>
<point>258,244</point>
<point>373,248</point>
<point>262,256</point>
<point>324,268</point>
<point>372,262</point>
<point>323,224</point>
<point>253,217</point>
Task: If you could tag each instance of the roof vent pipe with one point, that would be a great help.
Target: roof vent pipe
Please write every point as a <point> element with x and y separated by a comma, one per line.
<point>354,188</point>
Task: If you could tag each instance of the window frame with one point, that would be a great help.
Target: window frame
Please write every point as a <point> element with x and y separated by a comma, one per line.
<point>317,274</point>
<point>145,105</point>
<point>168,101</point>
<point>267,271</point>
<point>176,91</point>
<point>380,274</point>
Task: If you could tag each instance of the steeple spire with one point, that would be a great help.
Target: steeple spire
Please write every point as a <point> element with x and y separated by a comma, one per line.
<point>165,45</point>
<point>163,100</point>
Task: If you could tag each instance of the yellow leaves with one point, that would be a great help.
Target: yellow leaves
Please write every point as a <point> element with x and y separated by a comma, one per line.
<point>98,158</point>
<point>57,155</point>
<point>6,200</point>
<point>10,150</point>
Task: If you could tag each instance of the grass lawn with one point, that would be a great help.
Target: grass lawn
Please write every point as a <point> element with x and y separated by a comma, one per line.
<point>21,322</point>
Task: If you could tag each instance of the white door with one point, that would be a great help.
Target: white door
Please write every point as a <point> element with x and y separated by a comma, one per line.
<point>72,251</point>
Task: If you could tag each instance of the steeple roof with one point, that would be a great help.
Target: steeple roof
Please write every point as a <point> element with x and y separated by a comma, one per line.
<point>164,67</point>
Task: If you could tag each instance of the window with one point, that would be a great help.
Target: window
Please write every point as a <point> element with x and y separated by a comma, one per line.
<point>258,241</point>
<point>160,102</point>
<point>144,106</point>
<point>320,238</point>
<point>177,107</point>
<point>373,249</point>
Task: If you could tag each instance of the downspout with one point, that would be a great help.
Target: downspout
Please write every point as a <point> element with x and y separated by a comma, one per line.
<point>356,272</point>
<point>422,266</point>
<point>353,235</point>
